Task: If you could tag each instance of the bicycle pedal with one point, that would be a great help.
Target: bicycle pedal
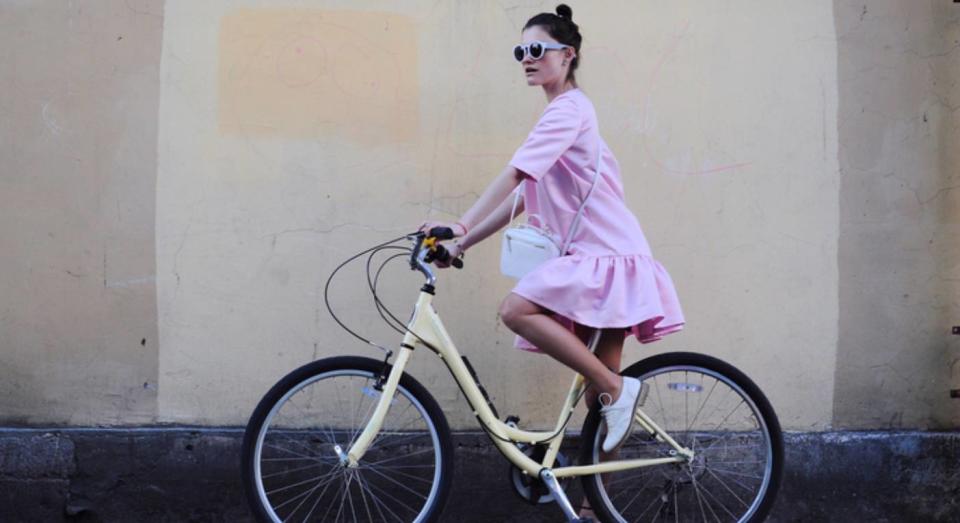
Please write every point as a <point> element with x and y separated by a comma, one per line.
<point>644,392</point>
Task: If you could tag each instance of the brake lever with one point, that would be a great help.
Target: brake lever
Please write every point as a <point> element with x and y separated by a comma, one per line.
<point>434,250</point>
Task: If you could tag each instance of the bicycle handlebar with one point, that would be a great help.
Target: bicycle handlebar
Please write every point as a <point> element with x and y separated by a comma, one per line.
<point>443,255</point>
<point>434,251</point>
<point>441,233</point>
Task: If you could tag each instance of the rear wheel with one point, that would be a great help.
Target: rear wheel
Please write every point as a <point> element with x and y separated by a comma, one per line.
<point>715,410</point>
<point>291,466</point>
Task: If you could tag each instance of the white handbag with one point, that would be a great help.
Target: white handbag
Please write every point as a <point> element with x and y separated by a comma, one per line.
<point>526,246</point>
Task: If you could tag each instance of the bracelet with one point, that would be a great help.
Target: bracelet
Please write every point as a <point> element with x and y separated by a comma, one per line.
<point>462,225</point>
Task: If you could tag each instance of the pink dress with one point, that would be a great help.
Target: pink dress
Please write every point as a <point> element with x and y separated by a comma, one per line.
<point>609,277</point>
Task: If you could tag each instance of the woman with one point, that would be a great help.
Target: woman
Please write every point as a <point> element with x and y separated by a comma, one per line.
<point>608,279</point>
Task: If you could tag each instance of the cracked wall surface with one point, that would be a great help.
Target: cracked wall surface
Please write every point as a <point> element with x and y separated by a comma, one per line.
<point>728,158</point>
<point>180,179</point>
<point>78,139</point>
<point>899,259</point>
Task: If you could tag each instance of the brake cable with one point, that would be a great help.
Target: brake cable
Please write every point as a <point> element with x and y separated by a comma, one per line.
<point>382,308</point>
<point>376,248</point>
<point>326,291</point>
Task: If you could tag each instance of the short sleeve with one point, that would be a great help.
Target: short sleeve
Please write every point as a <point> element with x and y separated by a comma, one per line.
<point>554,133</point>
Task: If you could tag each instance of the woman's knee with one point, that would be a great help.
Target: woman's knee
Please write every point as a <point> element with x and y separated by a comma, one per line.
<point>509,311</point>
<point>514,307</point>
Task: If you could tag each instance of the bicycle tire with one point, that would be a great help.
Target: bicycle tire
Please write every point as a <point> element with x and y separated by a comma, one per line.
<point>675,480</point>
<point>305,433</point>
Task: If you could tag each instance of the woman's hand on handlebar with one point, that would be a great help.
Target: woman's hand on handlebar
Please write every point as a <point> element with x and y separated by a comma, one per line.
<point>454,250</point>
<point>447,254</point>
<point>429,224</point>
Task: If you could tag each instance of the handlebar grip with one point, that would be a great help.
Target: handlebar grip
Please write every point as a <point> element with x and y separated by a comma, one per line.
<point>441,233</point>
<point>444,255</point>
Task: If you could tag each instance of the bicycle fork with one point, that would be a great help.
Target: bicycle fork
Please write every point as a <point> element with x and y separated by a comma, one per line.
<point>351,458</point>
<point>356,451</point>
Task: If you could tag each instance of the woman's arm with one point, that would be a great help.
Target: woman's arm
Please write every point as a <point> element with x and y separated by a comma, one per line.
<point>492,197</point>
<point>492,223</point>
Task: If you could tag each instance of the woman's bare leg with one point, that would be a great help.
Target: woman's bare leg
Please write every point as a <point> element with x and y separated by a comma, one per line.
<point>610,351</point>
<point>532,322</point>
<point>600,369</point>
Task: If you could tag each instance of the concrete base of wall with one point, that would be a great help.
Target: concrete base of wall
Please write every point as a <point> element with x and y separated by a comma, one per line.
<point>192,474</point>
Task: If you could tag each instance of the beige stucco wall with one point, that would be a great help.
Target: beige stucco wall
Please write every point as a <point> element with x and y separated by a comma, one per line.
<point>899,64</point>
<point>79,92</point>
<point>279,138</point>
<point>256,206</point>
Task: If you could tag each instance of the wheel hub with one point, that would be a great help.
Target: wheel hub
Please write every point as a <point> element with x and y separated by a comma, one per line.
<point>688,471</point>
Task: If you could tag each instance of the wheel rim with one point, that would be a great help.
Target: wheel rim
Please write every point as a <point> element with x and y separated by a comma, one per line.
<point>298,474</point>
<point>732,469</point>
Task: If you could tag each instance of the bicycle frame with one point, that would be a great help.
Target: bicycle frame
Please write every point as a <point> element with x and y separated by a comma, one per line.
<point>426,323</point>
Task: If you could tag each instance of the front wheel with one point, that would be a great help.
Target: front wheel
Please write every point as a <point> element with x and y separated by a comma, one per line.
<point>290,454</point>
<point>711,408</point>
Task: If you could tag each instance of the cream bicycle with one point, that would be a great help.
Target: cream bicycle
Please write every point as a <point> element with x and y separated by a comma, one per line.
<point>351,438</point>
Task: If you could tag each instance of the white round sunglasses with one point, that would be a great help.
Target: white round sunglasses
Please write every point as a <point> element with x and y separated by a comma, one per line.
<point>536,49</point>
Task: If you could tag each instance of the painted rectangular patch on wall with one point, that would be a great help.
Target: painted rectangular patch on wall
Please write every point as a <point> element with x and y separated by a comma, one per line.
<point>302,73</point>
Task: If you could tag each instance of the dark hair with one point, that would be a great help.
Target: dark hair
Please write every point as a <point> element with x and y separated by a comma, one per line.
<point>561,28</point>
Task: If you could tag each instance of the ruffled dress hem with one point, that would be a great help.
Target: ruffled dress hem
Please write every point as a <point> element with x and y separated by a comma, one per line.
<point>631,291</point>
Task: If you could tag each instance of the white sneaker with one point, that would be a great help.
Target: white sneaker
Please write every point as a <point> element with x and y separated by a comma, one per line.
<point>619,414</point>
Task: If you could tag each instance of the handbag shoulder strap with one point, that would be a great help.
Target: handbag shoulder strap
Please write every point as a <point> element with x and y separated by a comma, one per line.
<point>516,198</point>
<point>576,219</point>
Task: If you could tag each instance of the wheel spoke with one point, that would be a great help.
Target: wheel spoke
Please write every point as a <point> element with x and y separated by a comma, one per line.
<point>288,471</point>
<point>386,494</point>
<point>735,473</point>
<point>719,502</point>
<point>398,483</point>
<point>696,492</point>
<point>735,481</point>
<point>394,458</point>
<point>703,404</point>
<point>312,507</point>
<point>304,482</point>
<point>325,484</point>
<point>697,487</point>
<point>300,456</point>
<point>651,505</point>
<point>378,504</point>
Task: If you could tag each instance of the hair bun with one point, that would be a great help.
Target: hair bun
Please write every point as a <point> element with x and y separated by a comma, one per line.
<point>564,11</point>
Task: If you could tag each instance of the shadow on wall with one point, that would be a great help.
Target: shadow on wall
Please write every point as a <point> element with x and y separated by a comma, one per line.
<point>898,128</point>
